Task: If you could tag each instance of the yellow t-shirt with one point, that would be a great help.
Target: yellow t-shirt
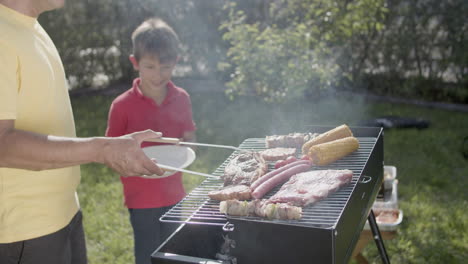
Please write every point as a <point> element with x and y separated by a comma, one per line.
<point>33,91</point>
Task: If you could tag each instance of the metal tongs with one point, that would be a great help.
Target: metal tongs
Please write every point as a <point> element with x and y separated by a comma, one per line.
<point>167,167</point>
<point>177,141</point>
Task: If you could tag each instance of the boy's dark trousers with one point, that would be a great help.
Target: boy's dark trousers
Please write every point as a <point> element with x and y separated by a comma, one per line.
<point>149,232</point>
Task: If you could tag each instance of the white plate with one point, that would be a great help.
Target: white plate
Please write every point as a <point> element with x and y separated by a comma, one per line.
<point>171,155</point>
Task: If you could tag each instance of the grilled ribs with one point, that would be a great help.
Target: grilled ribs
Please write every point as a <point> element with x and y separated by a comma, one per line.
<point>309,187</point>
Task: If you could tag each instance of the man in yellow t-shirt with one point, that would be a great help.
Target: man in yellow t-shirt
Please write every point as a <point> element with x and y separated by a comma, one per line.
<point>40,219</point>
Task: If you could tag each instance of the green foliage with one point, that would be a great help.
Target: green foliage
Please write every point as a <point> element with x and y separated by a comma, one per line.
<point>284,49</point>
<point>432,187</point>
<point>415,87</point>
<point>88,44</point>
<point>430,169</point>
<point>279,49</point>
<point>94,37</point>
<point>108,231</point>
<point>422,51</point>
<point>297,47</point>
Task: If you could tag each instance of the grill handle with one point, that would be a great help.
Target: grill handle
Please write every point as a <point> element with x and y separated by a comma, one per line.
<point>365,179</point>
<point>228,227</point>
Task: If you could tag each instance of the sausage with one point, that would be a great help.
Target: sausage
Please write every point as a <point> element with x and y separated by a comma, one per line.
<point>283,176</point>
<point>281,163</point>
<point>272,173</point>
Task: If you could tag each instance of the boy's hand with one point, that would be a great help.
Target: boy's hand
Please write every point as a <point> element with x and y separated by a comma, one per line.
<point>125,156</point>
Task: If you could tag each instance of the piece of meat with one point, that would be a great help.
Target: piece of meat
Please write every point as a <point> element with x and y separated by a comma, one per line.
<point>280,211</point>
<point>239,192</point>
<point>261,208</point>
<point>309,187</point>
<point>244,169</point>
<point>272,173</point>
<point>279,178</point>
<point>237,208</point>
<point>274,154</point>
<point>291,140</point>
<point>386,216</point>
<point>288,160</point>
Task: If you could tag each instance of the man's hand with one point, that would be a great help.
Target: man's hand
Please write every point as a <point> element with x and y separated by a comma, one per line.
<point>122,154</point>
<point>125,156</point>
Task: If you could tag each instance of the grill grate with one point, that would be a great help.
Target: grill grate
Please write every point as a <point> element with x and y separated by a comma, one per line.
<point>198,208</point>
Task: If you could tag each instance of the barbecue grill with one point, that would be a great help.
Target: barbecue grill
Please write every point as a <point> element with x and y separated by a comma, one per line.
<point>327,232</point>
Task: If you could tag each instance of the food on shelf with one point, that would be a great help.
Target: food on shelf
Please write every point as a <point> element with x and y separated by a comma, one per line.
<point>237,208</point>
<point>244,169</point>
<point>334,134</point>
<point>239,192</point>
<point>274,154</point>
<point>279,178</point>
<point>309,187</point>
<point>280,211</point>
<point>326,153</point>
<point>246,175</point>
<point>301,190</point>
<point>282,163</point>
<point>291,140</point>
<point>272,173</point>
<point>261,208</point>
<point>388,216</point>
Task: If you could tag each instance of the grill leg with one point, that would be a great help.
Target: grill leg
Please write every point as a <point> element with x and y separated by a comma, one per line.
<point>378,238</point>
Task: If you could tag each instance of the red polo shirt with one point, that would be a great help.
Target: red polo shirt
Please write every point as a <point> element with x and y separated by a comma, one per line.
<point>131,112</point>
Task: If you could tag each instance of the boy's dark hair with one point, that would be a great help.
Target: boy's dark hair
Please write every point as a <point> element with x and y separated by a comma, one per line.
<point>157,38</point>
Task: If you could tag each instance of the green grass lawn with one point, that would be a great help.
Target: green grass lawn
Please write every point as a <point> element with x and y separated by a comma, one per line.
<point>431,170</point>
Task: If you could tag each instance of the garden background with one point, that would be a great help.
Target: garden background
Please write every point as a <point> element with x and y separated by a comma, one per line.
<point>259,67</point>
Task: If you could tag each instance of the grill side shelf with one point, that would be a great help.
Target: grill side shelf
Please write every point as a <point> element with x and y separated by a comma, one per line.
<point>198,208</point>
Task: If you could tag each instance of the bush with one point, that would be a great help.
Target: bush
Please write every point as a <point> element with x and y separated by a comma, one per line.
<point>297,47</point>
<point>409,48</point>
<point>421,53</point>
<point>277,48</point>
<point>93,37</point>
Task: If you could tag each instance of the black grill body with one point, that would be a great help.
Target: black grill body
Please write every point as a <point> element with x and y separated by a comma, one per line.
<point>327,233</point>
<point>191,244</point>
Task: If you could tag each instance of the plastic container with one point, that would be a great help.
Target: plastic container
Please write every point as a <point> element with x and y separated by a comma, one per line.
<point>385,190</point>
<point>390,174</point>
<point>387,226</point>
<point>389,205</point>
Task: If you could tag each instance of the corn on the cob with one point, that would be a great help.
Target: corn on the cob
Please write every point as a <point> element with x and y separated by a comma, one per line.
<point>326,153</point>
<point>334,134</point>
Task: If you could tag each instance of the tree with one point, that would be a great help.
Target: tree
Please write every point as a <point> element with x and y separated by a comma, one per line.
<point>298,46</point>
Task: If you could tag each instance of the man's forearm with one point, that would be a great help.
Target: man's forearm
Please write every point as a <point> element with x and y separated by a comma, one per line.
<point>27,150</point>
<point>32,151</point>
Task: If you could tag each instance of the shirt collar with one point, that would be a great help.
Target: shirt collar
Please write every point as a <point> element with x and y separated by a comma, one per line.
<point>171,90</point>
<point>136,88</point>
<point>20,17</point>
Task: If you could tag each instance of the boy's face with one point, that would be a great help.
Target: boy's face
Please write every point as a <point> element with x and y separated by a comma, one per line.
<point>154,75</point>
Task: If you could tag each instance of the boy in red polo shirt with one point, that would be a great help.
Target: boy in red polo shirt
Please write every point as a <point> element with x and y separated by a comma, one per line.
<point>153,102</point>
